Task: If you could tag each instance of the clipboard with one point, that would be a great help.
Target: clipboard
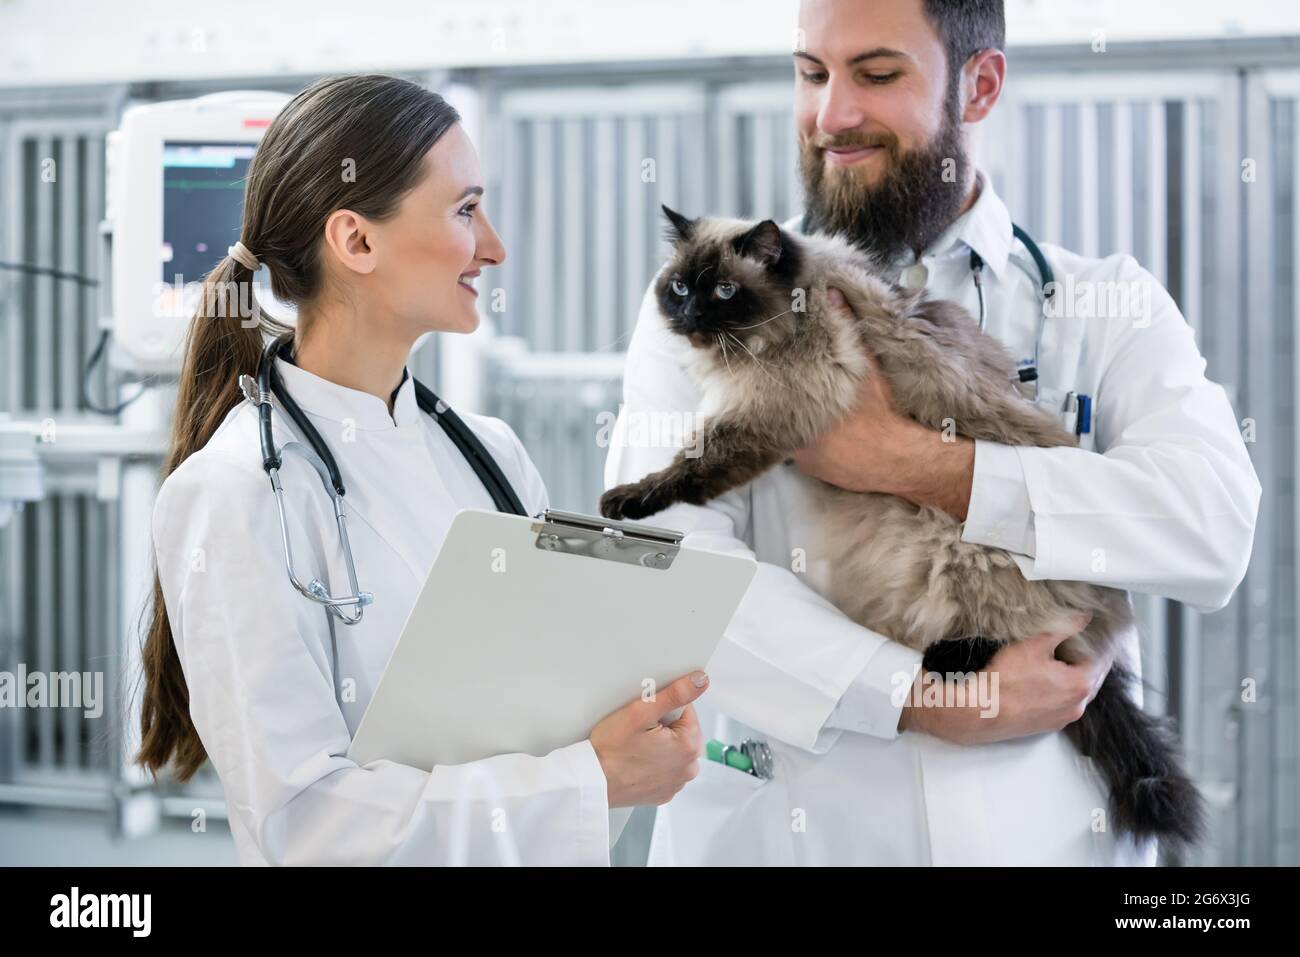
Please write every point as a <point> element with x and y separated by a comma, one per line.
<point>529,630</point>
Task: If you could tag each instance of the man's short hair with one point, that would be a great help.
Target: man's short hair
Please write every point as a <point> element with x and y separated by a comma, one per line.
<point>966,27</point>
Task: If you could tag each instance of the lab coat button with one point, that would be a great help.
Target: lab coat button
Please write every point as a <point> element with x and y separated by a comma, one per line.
<point>915,276</point>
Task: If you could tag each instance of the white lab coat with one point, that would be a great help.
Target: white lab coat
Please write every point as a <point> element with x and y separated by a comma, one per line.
<point>1167,508</point>
<point>257,655</point>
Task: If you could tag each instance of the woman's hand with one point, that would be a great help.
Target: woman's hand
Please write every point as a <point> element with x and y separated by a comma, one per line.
<point>646,762</point>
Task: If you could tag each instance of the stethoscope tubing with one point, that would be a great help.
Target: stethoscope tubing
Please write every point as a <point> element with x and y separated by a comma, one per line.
<point>267,386</point>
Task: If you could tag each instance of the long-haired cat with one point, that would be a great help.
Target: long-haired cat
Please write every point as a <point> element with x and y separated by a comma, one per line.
<point>775,377</point>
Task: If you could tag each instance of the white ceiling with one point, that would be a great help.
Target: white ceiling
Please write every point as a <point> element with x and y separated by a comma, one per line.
<point>83,41</point>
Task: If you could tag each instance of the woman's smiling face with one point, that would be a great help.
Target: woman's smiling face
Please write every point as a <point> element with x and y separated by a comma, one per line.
<point>432,250</point>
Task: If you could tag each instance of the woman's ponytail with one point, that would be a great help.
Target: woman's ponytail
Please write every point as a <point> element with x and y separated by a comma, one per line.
<point>224,341</point>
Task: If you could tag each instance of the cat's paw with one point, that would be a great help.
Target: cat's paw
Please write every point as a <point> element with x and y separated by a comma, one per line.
<point>625,501</point>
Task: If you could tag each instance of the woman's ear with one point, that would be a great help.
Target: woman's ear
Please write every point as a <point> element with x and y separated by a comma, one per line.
<point>350,238</point>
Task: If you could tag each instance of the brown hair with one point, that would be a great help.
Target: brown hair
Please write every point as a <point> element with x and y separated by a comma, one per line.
<point>965,27</point>
<point>351,142</point>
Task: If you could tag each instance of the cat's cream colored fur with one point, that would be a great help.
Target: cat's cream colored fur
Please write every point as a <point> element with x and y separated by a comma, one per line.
<point>896,568</point>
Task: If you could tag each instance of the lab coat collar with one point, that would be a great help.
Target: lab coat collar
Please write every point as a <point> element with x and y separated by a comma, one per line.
<point>339,403</point>
<point>985,228</point>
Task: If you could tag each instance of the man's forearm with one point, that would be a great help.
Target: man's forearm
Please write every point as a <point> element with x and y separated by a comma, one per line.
<point>938,473</point>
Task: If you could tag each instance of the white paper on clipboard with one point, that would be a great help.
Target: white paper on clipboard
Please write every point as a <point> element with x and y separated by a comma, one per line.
<point>528,631</point>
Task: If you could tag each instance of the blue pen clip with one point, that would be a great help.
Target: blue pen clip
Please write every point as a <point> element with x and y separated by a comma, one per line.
<point>1083,424</point>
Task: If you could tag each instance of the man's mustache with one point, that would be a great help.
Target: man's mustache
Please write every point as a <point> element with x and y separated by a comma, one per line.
<point>853,141</point>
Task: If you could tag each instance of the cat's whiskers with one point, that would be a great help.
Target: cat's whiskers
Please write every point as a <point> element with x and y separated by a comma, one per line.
<point>651,486</point>
<point>762,366</point>
<point>609,347</point>
<point>757,324</point>
<point>722,343</point>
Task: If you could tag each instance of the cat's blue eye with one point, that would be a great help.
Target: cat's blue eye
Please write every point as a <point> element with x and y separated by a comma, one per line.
<point>725,290</point>
<point>679,287</point>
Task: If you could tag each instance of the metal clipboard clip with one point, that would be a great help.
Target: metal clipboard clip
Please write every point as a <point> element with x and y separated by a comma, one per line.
<point>597,537</point>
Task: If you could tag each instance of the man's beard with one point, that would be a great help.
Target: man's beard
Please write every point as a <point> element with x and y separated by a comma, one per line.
<point>917,198</point>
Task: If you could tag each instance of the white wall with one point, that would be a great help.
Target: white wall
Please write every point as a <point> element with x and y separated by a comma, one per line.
<point>63,41</point>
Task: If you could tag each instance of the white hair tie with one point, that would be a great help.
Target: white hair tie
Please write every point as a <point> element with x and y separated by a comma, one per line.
<point>242,255</point>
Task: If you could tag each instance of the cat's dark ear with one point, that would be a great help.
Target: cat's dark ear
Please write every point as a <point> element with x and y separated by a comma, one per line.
<point>763,242</point>
<point>681,226</point>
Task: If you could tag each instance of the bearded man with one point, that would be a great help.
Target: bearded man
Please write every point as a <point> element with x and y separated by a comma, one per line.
<point>1159,496</point>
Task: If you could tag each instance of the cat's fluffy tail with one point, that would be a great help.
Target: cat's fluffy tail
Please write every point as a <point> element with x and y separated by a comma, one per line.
<point>1150,794</point>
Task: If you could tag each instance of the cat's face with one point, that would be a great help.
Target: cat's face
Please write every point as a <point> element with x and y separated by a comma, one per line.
<point>728,282</point>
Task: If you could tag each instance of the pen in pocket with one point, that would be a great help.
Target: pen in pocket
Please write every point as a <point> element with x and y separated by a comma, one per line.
<point>752,757</point>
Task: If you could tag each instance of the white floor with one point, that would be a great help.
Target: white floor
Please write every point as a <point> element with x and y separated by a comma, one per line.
<point>51,838</point>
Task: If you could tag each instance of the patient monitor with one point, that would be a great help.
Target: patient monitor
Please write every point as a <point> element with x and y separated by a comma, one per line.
<point>175,199</point>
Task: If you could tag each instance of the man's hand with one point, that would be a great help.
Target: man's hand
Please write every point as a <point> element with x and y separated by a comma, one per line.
<point>876,449</point>
<point>1036,694</point>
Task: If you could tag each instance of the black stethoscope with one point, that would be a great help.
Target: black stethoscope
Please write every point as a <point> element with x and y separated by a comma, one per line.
<point>317,453</point>
<point>1046,280</point>
<point>1078,416</point>
<point>1078,413</point>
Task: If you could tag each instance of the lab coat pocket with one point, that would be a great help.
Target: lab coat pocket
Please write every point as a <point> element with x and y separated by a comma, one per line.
<point>1068,406</point>
<point>1053,401</point>
<point>716,820</point>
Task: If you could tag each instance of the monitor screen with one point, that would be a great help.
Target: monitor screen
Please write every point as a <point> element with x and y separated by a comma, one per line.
<point>203,205</point>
